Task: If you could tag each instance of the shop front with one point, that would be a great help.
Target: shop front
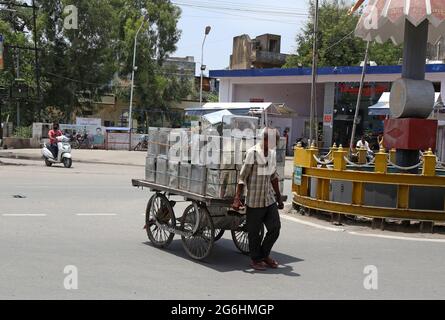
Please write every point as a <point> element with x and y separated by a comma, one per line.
<point>370,126</point>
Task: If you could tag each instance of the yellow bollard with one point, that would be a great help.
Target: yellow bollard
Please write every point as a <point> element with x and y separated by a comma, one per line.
<point>332,150</point>
<point>429,163</point>
<point>299,155</point>
<point>392,155</point>
<point>362,152</point>
<point>339,159</point>
<point>310,153</point>
<point>381,161</point>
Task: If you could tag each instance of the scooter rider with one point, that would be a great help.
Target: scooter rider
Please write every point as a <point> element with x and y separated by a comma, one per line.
<point>53,134</point>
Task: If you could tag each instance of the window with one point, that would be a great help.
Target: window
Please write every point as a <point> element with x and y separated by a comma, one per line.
<point>273,45</point>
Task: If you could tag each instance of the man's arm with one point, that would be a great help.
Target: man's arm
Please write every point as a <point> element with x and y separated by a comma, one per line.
<point>276,188</point>
<point>237,201</point>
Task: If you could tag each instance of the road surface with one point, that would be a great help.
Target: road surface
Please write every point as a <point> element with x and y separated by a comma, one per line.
<point>90,217</point>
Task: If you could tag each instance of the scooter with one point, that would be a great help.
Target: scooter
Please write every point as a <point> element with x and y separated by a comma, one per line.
<point>64,153</point>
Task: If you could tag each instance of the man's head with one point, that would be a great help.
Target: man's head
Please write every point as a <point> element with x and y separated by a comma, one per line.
<point>268,138</point>
<point>363,139</point>
<point>98,130</point>
<point>56,126</point>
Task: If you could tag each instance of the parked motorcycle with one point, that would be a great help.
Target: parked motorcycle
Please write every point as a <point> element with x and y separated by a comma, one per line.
<point>142,145</point>
<point>80,141</point>
<point>63,154</point>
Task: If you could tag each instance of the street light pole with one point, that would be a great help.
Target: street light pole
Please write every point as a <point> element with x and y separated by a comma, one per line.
<point>130,114</point>
<point>207,31</point>
<point>313,125</point>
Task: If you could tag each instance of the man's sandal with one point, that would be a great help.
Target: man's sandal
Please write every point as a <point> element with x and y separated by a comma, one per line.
<point>271,263</point>
<point>258,265</point>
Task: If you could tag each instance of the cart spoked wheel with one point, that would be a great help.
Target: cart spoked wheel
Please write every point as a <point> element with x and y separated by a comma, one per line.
<point>241,239</point>
<point>159,214</point>
<point>197,221</point>
<point>218,234</point>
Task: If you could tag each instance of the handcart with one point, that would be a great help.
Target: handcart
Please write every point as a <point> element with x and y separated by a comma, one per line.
<point>203,222</point>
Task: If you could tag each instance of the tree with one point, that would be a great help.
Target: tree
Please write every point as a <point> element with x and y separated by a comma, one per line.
<point>337,45</point>
<point>18,61</point>
<point>156,86</point>
<point>77,65</point>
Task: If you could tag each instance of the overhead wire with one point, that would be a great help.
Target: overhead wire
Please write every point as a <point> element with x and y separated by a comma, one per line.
<point>247,5</point>
<point>232,8</point>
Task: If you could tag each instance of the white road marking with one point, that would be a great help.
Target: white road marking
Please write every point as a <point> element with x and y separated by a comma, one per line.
<point>96,214</point>
<point>354,233</point>
<point>314,225</point>
<point>24,215</point>
<point>395,237</point>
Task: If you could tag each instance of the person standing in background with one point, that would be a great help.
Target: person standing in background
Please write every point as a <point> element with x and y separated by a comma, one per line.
<point>286,135</point>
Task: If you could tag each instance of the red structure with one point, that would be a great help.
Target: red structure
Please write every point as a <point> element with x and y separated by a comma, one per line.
<point>410,134</point>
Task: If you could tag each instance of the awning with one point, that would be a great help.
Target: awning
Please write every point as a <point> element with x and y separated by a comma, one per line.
<point>381,108</point>
<point>217,117</point>
<point>242,108</point>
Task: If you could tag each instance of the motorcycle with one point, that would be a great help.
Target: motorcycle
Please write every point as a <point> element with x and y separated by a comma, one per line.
<point>63,155</point>
<point>80,141</point>
<point>142,145</point>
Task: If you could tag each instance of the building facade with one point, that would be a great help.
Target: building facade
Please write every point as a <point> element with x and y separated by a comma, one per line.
<point>336,96</point>
<point>261,52</point>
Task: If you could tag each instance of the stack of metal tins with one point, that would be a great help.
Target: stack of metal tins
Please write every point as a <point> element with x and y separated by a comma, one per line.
<point>198,154</point>
<point>221,153</point>
<point>173,174</point>
<point>152,152</point>
<point>185,176</point>
<point>150,168</point>
<point>153,137</point>
<point>198,179</point>
<point>161,170</point>
<point>221,184</point>
<point>163,143</point>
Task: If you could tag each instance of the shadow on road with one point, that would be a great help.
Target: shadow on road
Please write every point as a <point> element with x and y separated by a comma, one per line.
<point>226,258</point>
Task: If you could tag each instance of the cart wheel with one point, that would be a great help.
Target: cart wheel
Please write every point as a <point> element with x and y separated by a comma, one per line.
<point>240,238</point>
<point>159,209</point>
<point>218,234</point>
<point>199,245</point>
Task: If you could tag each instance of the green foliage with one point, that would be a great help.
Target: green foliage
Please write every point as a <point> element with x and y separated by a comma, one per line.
<point>156,86</point>
<point>337,45</point>
<point>23,132</point>
<point>78,66</point>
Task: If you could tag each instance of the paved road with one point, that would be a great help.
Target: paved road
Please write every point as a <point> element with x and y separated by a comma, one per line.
<point>115,261</point>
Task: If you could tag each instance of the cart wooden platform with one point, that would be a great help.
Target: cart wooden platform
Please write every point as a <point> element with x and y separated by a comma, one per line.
<point>203,222</point>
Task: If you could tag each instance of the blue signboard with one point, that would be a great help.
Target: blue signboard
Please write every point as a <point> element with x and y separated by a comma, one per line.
<point>298,173</point>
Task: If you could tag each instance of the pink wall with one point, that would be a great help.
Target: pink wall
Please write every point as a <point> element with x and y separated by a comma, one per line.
<point>294,96</point>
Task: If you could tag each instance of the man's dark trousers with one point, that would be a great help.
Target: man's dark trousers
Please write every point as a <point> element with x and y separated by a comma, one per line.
<point>256,217</point>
